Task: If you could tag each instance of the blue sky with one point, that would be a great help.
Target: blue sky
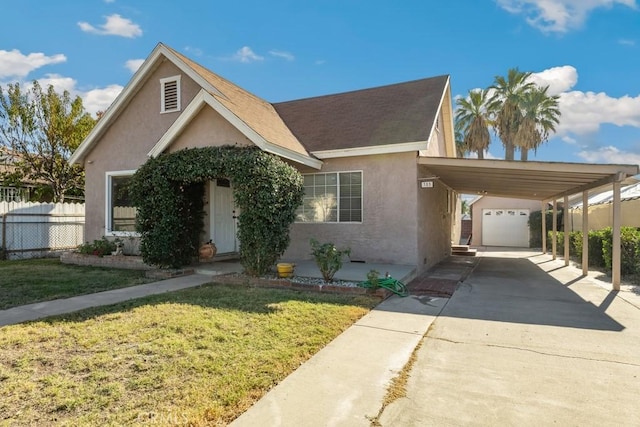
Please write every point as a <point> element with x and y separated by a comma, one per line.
<point>588,51</point>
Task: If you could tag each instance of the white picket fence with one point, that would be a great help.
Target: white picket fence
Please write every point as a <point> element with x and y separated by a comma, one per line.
<point>30,230</point>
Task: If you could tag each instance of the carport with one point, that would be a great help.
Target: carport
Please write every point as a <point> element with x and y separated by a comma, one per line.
<point>547,182</point>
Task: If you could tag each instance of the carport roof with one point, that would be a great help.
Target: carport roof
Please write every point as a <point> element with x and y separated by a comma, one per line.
<point>523,180</point>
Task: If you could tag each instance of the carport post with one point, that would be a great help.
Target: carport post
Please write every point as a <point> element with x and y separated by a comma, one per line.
<point>567,232</point>
<point>544,227</point>
<point>554,227</point>
<point>585,233</point>
<point>616,252</point>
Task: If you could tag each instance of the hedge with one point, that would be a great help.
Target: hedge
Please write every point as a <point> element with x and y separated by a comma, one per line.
<point>601,247</point>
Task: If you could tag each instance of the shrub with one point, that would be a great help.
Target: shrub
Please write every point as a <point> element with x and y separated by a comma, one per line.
<point>328,258</point>
<point>629,246</point>
<point>535,227</point>
<point>100,247</point>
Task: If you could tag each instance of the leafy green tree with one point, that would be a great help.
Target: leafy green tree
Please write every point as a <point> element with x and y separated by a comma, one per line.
<point>472,121</point>
<point>41,129</point>
<point>540,115</point>
<point>506,105</point>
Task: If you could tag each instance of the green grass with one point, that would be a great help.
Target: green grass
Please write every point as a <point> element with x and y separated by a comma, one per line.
<point>196,357</point>
<point>35,280</point>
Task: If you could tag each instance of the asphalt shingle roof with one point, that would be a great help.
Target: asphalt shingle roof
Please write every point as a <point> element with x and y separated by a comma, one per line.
<point>392,114</point>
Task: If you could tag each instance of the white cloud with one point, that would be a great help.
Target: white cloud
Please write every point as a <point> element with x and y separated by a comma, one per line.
<point>115,25</point>
<point>133,64</point>
<point>610,154</point>
<point>246,55</point>
<point>14,64</point>
<point>93,100</point>
<point>584,112</point>
<point>282,54</point>
<point>60,83</point>
<point>558,16</point>
<point>100,99</point>
<point>559,79</point>
<point>627,42</point>
<point>569,140</point>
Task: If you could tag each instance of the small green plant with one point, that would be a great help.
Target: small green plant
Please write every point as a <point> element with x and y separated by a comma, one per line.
<point>99,248</point>
<point>328,258</point>
<point>373,277</point>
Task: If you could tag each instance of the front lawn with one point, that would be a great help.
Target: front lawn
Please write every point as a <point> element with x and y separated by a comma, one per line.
<point>200,356</point>
<point>35,280</point>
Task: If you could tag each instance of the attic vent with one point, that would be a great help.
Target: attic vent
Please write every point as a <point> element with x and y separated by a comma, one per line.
<point>170,94</point>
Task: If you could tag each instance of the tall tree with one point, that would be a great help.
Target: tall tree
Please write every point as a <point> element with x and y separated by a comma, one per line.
<point>541,114</point>
<point>472,121</point>
<point>506,105</point>
<point>42,129</point>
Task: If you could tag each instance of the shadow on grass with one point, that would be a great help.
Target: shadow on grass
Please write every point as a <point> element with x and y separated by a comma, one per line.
<point>221,296</point>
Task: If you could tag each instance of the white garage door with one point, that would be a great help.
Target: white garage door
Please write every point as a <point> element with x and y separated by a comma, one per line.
<point>505,227</point>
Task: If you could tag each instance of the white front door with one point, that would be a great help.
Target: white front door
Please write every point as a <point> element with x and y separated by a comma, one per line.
<point>223,216</point>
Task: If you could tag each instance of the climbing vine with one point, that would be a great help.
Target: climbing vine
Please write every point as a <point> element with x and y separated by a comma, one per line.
<point>168,192</point>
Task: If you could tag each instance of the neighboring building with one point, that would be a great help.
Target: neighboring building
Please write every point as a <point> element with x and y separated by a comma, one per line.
<point>358,152</point>
<point>12,193</point>
<point>601,209</point>
<point>501,221</point>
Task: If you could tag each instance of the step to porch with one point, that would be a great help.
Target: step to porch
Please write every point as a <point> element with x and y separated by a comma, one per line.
<point>462,250</point>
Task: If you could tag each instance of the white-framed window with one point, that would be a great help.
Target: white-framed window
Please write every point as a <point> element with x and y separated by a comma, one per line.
<point>120,215</point>
<point>331,197</point>
<point>170,94</point>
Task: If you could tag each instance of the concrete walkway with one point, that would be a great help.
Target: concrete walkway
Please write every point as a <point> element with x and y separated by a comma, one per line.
<point>526,341</point>
<point>344,384</point>
<point>44,309</point>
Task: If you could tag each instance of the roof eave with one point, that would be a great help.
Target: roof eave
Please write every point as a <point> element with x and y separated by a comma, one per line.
<point>372,150</point>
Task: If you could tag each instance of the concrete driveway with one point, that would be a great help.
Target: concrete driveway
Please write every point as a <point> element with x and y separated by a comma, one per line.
<point>527,341</point>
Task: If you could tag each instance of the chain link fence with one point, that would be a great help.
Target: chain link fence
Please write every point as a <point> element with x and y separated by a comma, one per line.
<point>33,230</point>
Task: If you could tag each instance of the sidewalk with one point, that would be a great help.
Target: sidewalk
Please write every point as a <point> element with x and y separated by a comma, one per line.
<point>43,309</point>
<point>345,383</point>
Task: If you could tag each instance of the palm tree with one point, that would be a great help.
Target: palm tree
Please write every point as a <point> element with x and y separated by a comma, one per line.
<point>506,105</point>
<point>540,116</point>
<point>461,149</point>
<point>472,121</point>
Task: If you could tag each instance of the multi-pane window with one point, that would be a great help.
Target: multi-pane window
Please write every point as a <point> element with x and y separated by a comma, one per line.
<point>331,197</point>
<point>121,213</point>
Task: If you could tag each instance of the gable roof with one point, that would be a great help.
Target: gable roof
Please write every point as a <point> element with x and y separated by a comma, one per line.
<point>394,118</point>
<point>252,116</point>
<point>387,115</point>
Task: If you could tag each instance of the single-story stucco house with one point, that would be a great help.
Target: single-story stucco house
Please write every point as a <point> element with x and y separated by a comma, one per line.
<point>358,153</point>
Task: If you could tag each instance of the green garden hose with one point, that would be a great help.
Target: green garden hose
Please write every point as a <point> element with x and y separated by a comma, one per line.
<point>389,283</point>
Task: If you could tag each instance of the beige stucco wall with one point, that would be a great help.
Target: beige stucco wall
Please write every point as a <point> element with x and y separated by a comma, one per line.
<point>208,128</point>
<point>402,223</point>
<point>125,145</point>
<point>601,216</point>
<point>490,202</point>
<point>436,211</point>
<point>388,230</point>
<point>437,145</point>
